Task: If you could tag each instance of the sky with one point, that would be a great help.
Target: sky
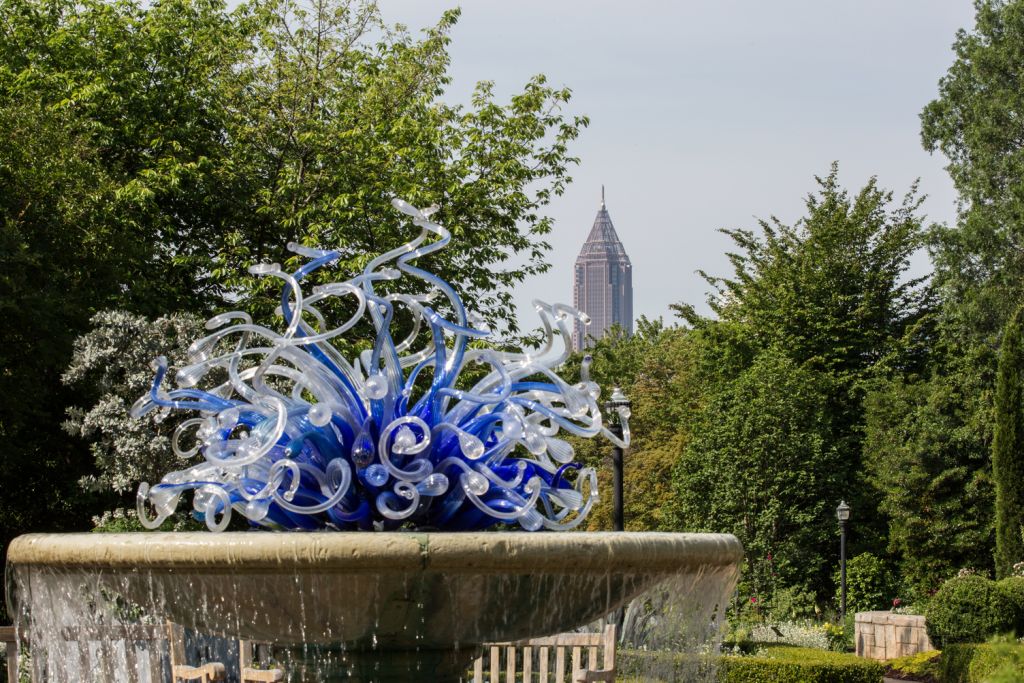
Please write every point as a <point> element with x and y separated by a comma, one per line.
<point>710,114</point>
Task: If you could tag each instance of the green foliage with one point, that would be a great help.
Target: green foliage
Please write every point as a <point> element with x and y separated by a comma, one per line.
<point>979,276</point>
<point>869,584</point>
<point>1012,590</point>
<point>54,266</point>
<point>124,521</point>
<point>811,314</point>
<point>922,666</point>
<point>799,665</point>
<point>1008,448</point>
<point>924,455</point>
<point>113,359</point>
<point>996,662</point>
<point>655,368</point>
<point>776,664</point>
<point>974,122</point>
<point>791,603</point>
<point>968,609</point>
<point>758,466</point>
<point>152,151</point>
<point>955,662</point>
<point>1001,662</point>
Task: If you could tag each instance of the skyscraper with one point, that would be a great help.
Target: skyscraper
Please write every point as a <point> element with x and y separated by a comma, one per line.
<point>602,282</point>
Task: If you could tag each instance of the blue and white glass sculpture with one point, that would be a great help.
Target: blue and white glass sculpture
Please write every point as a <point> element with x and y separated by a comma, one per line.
<point>296,437</point>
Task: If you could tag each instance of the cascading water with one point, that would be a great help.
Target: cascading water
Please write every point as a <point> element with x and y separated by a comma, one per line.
<point>291,435</point>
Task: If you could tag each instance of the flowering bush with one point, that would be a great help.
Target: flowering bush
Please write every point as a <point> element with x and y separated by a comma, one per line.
<point>798,633</point>
<point>114,358</point>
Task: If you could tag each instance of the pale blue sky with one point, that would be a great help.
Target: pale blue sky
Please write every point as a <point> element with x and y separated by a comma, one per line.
<point>710,114</point>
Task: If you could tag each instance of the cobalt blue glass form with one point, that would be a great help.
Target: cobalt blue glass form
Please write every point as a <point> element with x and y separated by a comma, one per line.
<point>291,435</point>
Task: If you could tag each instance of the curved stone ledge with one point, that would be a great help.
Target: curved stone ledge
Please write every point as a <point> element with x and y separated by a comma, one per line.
<point>472,553</point>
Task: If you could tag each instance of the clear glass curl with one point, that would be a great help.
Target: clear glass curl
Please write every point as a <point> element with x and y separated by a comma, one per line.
<point>291,435</point>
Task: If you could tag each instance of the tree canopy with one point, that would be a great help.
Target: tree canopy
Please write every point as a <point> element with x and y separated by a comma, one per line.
<point>155,150</point>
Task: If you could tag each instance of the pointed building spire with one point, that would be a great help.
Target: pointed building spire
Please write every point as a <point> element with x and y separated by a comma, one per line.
<point>603,281</point>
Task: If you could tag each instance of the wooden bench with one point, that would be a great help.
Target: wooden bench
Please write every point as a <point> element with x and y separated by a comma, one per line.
<point>138,638</point>
<point>180,671</point>
<point>522,658</point>
<point>9,640</point>
<point>247,657</point>
<point>143,647</point>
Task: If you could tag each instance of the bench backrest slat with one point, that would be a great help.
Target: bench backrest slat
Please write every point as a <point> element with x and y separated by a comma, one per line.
<point>9,638</point>
<point>567,667</point>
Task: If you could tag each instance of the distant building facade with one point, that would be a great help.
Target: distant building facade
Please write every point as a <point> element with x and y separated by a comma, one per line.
<point>602,282</point>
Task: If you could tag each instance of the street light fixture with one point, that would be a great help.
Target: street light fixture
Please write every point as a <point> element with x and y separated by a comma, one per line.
<point>618,408</point>
<point>843,515</point>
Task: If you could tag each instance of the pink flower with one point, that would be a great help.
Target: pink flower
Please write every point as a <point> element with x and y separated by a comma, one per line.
<point>753,599</point>
<point>896,602</point>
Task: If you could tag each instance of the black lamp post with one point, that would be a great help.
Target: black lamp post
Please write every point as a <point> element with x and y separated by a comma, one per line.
<point>617,407</point>
<point>843,515</point>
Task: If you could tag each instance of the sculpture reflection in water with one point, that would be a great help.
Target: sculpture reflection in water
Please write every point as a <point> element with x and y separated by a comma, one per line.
<point>292,435</point>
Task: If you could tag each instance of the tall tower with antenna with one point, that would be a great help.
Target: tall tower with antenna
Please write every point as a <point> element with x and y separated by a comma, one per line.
<point>602,282</point>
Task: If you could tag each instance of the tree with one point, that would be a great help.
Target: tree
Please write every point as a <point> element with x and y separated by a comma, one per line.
<point>1008,448</point>
<point>760,465</point>
<point>831,296</point>
<point>652,368</point>
<point>54,258</point>
<point>977,122</point>
<point>153,151</point>
<point>937,425</point>
<point>930,472</point>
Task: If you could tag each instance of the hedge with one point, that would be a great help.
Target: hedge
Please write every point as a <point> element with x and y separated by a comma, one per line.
<point>1012,590</point>
<point>982,663</point>
<point>779,664</point>
<point>967,610</point>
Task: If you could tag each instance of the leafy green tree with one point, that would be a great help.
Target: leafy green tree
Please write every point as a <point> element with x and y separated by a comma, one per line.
<point>869,584</point>
<point>152,151</point>
<point>924,457</point>
<point>760,465</point>
<point>826,304</point>
<point>975,122</point>
<point>53,258</point>
<point>652,367</point>
<point>930,434</point>
<point>238,131</point>
<point>1008,448</point>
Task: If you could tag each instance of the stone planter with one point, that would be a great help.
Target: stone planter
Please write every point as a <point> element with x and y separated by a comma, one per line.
<point>884,635</point>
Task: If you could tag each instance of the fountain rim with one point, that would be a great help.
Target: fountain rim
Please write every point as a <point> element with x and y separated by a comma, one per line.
<point>378,552</point>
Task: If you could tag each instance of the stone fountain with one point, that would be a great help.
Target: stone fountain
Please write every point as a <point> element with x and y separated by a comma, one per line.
<point>371,607</point>
<point>379,477</point>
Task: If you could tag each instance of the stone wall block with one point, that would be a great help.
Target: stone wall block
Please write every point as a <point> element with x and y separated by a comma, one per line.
<point>884,635</point>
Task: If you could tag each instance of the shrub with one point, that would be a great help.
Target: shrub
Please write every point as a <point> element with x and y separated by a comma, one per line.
<point>769,665</point>
<point>1012,590</point>
<point>790,603</point>
<point>968,609</point>
<point>805,634</point>
<point>923,665</point>
<point>869,584</point>
<point>997,662</point>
